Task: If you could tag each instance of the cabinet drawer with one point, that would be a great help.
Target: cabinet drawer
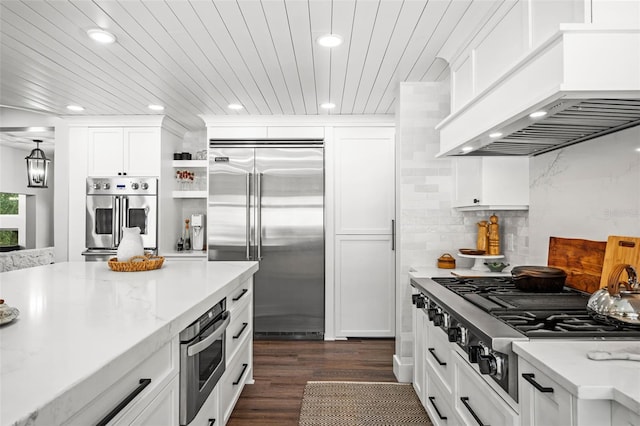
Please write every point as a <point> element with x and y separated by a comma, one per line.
<point>237,331</point>
<point>240,296</point>
<point>476,402</point>
<point>438,353</point>
<point>438,404</point>
<point>209,411</point>
<point>622,416</point>
<point>234,378</point>
<point>542,399</point>
<point>160,367</point>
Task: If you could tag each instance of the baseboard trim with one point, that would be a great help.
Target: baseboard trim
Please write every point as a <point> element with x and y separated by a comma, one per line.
<point>402,369</point>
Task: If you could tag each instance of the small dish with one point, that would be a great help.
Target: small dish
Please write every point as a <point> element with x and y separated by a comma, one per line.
<point>471,251</point>
<point>496,266</point>
<point>7,313</point>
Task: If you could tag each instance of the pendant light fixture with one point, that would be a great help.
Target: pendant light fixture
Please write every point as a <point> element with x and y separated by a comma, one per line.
<point>37,167</point>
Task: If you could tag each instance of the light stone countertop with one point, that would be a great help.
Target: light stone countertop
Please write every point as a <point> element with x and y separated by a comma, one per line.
<point>77,318</point>
<point>567,363</point>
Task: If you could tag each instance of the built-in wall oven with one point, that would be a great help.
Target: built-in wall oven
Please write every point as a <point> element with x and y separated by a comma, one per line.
<point>117,202</point>
<point>202,359</point>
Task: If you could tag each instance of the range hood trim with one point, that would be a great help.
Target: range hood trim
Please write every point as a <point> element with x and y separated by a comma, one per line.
<point>541,79</point>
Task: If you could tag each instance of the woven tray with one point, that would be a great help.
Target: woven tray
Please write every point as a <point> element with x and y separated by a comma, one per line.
<point>137,263</point>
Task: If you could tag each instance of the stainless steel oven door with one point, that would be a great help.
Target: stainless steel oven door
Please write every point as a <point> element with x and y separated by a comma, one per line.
<point>202,363</point>
<point>141,211</point>
<point>103,219</point>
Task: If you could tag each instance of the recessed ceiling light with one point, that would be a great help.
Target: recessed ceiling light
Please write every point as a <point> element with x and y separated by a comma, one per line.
<point>235,106</point>
<point>467,149</point>
<point>101,36</point>
<point>75,108</point>
<point>538,114</point>
<point>328,105</point>
<point>329,40</point>
<point>495,135</point>
<point>156,107</point>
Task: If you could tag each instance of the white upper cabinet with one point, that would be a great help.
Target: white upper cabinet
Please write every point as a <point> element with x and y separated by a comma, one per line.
<point>132,151</point>
<point>486,183</point>
<point>365,173</point>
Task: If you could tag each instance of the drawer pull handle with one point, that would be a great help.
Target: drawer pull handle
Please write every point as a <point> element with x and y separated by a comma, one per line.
<point>143,384</point>
<point>431,400</point>
<point>244,368</point>
<point>244,326</point>
<point>529,377</point>
<point>433,353</point>
<point>465,400</point>
<point>212,422</point>
<point>244,291</point>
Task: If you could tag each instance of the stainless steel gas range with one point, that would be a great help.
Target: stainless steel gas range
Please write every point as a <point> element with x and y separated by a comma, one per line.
<point>484,316</point>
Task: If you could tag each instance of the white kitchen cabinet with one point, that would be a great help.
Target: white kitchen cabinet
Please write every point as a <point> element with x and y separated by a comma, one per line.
<point>491,183</point>
<point>364,280</point>
<point>131,151</point>
<point>473,404</point>
<point>209,414</point>
<point>238,373</point>
<point>420,339</point>
<point>438,402</point>
<point>365,180</point>
<point>622,416</point>
<point>159,395</point>
<point>543,401</point>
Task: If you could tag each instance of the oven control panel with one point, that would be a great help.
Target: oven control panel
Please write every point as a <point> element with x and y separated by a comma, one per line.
<point>122,186</point>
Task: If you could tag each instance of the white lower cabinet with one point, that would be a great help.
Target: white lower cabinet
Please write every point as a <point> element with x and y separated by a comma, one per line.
<point>365,289</point>
<point>622,416</point>
<point>474,404</point>
<point>149,387</point>
<point>420,338</point>
<point>438,402</point>
<point>439,356</point>
<point>238,372</point>
<point>543,401</point>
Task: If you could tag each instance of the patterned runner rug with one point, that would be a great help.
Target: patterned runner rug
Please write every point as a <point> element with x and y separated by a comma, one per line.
<point>361,403</point>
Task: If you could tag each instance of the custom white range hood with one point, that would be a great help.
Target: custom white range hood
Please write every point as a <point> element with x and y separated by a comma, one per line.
<point>586,79</point>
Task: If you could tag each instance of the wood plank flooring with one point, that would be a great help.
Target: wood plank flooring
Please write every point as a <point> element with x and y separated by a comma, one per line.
<point>282,368</point>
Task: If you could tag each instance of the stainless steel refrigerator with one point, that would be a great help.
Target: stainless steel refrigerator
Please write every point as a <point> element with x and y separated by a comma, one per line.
<point>266,203</point>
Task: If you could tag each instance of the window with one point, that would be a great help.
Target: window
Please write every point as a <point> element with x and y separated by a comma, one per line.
<point>12,219</point>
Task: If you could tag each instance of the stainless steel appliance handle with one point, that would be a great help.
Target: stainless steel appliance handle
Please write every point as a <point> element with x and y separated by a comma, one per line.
<point>115,219</point>
<point>248,217</point>
<point>125,212</point>
<point>208,341</point>
<point>259,216</point>
<point>393,234</point>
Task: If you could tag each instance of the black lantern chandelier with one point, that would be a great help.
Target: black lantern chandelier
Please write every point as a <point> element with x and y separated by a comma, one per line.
<point>37,167</point>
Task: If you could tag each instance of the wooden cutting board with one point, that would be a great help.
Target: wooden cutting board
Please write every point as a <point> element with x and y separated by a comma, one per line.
<point>620,250</point>
<point>582,260</point>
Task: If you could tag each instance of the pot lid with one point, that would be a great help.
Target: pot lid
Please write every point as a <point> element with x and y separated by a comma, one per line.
<point>538,271</point>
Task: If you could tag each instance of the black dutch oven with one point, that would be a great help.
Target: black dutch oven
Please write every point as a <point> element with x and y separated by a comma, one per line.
<point>542,279</point>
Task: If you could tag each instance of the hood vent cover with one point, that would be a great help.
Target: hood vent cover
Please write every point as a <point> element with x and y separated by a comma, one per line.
<point>569,121</point>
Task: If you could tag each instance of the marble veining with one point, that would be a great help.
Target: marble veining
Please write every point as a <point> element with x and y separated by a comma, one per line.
<point>78,318</point>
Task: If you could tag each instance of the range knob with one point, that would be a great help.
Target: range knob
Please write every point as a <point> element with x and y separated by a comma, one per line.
<point>134,185</point>
<point>474,353</point>
<point>431,313</point>
<point>438,319</point>
<point>96,186</point>
<point>106,185</point>
<point>491,364</point>
<point>454,334</point>
<point>144,185</point>
<point>420,302</point>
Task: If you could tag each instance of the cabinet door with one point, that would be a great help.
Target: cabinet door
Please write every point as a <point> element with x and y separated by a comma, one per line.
<point>419,339</point>
<point>365,284</point>
<point>163,410</point>
<point>105,151</point>
<point>141,151</point>
<point>467,175</point>
<point>365,180</point>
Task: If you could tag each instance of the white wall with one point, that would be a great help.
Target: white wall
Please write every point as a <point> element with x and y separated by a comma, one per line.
<point>589,190</point>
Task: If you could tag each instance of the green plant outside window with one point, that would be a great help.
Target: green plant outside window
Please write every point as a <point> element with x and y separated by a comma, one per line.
<point>8,205</point>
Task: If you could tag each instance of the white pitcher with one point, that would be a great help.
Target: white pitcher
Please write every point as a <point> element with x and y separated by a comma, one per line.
<point>131,244</point>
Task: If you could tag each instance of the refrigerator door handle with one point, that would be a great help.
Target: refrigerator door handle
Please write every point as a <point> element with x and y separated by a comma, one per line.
<point>248,217</point>
<point>115,215</point>
<point>393,235</point>
<point>259,215</point>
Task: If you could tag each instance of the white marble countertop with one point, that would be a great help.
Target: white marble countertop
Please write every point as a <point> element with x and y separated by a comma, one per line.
<point>567,363</point>
<point>433,271</point>
<point>78,317</point>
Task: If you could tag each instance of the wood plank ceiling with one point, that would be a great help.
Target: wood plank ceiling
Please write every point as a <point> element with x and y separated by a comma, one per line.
<point>196,57</point>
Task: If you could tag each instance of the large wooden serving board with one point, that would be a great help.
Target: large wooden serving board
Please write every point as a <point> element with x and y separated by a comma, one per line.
<point>582,260</point>
<point>620,250</point>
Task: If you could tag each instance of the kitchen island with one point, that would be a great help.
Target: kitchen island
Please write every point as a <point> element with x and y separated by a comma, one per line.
<point>82,326</point>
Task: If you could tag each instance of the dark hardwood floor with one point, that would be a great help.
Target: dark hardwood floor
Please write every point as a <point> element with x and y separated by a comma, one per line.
<point>282,368</point>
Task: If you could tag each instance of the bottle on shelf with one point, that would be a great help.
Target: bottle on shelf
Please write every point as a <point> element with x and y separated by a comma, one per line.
<point>187,235</point>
